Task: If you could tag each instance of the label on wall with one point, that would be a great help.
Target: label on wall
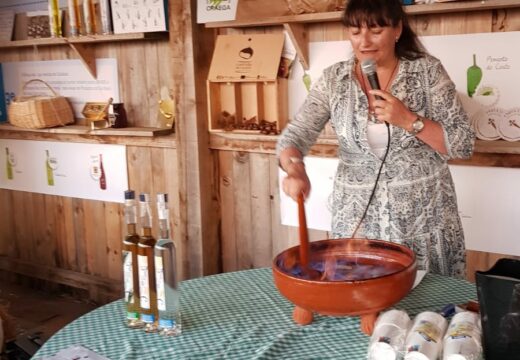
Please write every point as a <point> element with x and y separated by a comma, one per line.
<point>86,171</point>
<point>68,78</point>
<point>216,10</point>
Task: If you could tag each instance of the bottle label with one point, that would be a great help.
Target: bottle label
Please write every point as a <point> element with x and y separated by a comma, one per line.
<point>159,280</point>
<point>429,331</point>
<point>148,318</point>
<point>166,324</point>
<point>144,284</point>
<point>128,277</point>
<point>132,315</point>
<point>461,330</point>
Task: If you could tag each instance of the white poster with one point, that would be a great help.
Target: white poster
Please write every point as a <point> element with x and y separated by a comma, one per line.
<point>86,171</point>
<point>216,10</point>
<point>486,70</point>
<point>68,78</point>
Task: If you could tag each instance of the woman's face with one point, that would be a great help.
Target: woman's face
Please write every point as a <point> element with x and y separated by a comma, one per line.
<point>377,43</point>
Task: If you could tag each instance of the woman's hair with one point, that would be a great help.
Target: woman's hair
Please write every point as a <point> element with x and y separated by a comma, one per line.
<point>372,13</point>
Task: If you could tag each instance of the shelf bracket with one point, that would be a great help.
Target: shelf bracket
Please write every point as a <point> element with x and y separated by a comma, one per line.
<point>87,57</point>
<point>298,35</point>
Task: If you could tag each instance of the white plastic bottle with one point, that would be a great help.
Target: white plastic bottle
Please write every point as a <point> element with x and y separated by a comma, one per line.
<point>424,341</point>
<point>463,337</point>
<point>388,338</point>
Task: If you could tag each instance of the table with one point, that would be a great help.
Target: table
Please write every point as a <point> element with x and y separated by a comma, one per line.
<point>241,315</point>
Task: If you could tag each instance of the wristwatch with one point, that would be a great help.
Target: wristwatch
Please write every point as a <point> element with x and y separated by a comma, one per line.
<point>417,126</point>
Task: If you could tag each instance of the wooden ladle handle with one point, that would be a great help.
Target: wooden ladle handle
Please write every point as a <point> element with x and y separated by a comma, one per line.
<point>304,234</point>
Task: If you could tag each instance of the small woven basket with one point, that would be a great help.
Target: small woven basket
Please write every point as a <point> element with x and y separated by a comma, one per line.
<point>37,112</point>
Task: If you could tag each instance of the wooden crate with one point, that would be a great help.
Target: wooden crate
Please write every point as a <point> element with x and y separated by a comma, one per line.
<point>244,93</point>
<point>236,106</point>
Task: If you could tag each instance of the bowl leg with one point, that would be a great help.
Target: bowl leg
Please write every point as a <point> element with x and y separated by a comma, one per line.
<point>302,316</point>
<point>367,323</point>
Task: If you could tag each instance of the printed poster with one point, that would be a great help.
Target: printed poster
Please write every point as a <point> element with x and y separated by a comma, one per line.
<point>68,78</point>
<point>86,171</point>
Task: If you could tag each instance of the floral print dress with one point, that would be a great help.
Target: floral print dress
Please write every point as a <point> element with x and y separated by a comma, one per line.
<point>415,202</point>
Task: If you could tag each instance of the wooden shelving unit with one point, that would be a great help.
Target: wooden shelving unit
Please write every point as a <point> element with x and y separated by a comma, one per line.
<point>138,136</point>
<point>294,24</point>
<point>83,45</point>
<point>437,8</point>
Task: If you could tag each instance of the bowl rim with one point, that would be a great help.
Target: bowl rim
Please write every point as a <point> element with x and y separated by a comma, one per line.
<point>413,263</point>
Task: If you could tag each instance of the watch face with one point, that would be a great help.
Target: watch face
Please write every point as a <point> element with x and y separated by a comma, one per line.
<point>418,125</point>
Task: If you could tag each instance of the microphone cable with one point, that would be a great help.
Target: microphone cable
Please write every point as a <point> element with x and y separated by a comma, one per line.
<point>376,182</point>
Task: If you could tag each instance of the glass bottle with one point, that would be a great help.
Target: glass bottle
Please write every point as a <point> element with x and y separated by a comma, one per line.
<point>130,269</point>
<point>74,17</point>
<point>50,172</point>
<point>9,166</point>
<point>55,18</point>
<point>102,178</point>
<point>106,17</point>
<point>145,260</point>
<point>89,12</point>
<point>166,276</point>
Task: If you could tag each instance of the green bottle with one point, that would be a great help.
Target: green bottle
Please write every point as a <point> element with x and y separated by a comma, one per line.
<point>474,76</point>
<point>9,166</point>
<point>50,174</point>
<point>307,81</point>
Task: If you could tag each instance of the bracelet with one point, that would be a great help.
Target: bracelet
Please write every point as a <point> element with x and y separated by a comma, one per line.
<point>296,160</point>
<point>292,160</point>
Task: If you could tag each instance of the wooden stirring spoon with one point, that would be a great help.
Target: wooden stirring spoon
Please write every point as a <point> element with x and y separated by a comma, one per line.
<point>310,273</point>
<point>300,315</point>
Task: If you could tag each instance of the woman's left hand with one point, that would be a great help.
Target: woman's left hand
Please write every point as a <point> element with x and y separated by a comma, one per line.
<point>392,110</point>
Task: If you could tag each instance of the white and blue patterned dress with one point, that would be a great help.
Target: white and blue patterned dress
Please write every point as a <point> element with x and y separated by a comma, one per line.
<point>415,202</point>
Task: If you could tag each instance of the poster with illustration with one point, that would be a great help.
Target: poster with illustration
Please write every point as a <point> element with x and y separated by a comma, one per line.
<point>85,171</point>
<point>485,69</point>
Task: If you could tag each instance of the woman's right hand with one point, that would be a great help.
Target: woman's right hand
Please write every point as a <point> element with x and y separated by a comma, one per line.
<point>296,182</point>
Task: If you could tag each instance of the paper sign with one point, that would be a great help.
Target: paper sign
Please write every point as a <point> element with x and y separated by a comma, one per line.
<point>86,171</point>
<point>216,10</point>
<point>68,78</point>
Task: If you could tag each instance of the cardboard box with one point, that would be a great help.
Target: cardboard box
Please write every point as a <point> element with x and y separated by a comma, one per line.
<point>244,92</point>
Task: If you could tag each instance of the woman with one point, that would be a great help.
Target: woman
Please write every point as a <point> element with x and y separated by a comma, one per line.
<point>405,194</point>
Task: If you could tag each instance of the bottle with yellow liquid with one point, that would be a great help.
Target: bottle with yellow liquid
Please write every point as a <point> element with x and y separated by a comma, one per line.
<point>145,261</point>
<point>74,17</point>
<point>50,171</point>
<point>130,268</point>
<point>55,18</point>
<point>9,166</point>
<point>89,12</point>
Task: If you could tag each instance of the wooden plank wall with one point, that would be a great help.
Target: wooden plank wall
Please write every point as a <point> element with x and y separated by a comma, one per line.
<point>251,233</point>
<point>77,242</point>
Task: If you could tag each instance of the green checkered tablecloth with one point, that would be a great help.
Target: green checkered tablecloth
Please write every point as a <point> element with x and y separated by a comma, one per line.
<point>241,315</point>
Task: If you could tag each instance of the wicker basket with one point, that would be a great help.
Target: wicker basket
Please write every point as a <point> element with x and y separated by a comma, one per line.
<point>37,112</point>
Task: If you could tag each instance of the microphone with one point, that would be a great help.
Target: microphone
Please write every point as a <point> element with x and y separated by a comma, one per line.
<point>368,67</point>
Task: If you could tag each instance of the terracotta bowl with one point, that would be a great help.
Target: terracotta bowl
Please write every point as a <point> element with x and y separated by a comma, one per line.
<point>347,277</point>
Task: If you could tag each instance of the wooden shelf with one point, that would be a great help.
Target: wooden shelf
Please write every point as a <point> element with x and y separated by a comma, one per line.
<point>436,8</point>
<point>138,136</point>
<point>86,39</point>
<point>487,153</point>
<point>82,45</point>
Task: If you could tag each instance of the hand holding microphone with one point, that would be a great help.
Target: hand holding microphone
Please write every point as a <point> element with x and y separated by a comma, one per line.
<point>387,108</point>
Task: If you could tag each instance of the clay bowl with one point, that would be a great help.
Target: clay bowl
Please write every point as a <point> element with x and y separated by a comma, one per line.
<point>354,277</point>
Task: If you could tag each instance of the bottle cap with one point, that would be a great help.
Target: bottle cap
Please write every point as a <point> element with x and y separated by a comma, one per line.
<point>162,197</point>
<point>144,197</point>
<point>129,194</point>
